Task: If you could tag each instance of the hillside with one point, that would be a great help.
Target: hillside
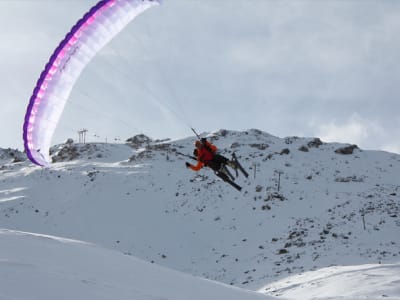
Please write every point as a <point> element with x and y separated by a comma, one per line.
<point>47,267</point>
<point>306,204</point>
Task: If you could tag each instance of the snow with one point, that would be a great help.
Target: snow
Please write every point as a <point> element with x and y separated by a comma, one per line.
<point>127,221</point>
<point>34,266</point>
<point>341,282</point>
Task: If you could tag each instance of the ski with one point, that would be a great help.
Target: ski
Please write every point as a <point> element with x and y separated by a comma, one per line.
<point>236,186</point>
<point>239,166</point>
<point>225,170</point>
<point>225,178</point>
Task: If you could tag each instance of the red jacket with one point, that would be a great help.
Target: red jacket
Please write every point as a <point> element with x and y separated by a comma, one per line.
<point>204,154</point>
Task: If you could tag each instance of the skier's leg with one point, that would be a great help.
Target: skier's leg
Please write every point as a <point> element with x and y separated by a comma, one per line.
<point>226,179</point>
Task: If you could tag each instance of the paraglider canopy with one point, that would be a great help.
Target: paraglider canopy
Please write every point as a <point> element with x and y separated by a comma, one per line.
<point>90,34</point>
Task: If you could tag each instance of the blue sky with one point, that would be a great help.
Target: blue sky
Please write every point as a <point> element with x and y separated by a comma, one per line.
<point>308,68</point>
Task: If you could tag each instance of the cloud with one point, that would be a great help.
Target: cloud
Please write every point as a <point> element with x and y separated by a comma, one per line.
<point>274,65</point>
<point>354,130</point>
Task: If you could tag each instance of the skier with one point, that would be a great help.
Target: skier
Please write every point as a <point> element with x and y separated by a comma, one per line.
<point>206,154</point>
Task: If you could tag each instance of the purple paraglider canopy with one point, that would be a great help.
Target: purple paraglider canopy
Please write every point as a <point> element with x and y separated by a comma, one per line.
<point>90,34</point>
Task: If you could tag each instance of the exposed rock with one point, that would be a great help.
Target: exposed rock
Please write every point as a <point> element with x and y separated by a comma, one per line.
<point>315,143</point>
<point>12,155</point>
<point>303,148</point>
<point>285,151</point>
<point>138,140</point>
<point>346,150</point>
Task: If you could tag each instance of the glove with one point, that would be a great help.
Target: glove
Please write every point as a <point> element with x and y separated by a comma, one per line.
<point>187,165</point>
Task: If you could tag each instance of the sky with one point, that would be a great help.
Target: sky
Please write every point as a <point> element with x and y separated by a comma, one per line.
<point>327,69</point>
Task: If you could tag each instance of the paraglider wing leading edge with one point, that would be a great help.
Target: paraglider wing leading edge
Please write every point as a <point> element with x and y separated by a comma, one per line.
<point>90,34</point>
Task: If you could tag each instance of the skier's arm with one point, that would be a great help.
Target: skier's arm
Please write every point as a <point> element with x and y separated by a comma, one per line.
<point>197,167</point>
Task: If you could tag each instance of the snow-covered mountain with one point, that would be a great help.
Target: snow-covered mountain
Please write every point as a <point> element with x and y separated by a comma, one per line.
<point>307,205</point>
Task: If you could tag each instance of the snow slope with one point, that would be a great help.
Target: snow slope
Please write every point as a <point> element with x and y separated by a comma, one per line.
<point>305,206</point>
<point>34,266</point>
<point>343,282</point>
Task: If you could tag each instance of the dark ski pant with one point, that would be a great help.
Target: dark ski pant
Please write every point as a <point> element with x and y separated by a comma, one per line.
<point>217,162</point>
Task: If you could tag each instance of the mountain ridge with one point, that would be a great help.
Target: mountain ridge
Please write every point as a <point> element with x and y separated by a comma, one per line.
<point>306,204</point>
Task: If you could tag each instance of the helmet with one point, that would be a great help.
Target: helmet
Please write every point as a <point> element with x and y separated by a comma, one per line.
<point>198,144</point>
